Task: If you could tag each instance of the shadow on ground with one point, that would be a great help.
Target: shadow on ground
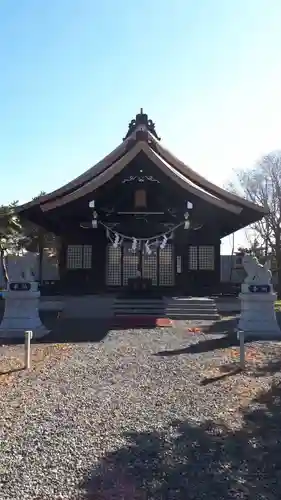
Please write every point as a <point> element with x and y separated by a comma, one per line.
<point>76,330</point>
<point>270,368</point>
<point>226,329</point>
<point>226,371</point>
<point>192,460</point>
<point>228,338</point>
<point>12,370</point>
<point>205,345</point>
<point>222,326</point>
<point>67,331</point>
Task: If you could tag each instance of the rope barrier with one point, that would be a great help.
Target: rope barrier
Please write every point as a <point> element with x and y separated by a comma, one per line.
<point>151,239</point>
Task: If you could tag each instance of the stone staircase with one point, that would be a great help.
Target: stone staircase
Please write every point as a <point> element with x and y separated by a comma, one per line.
<point>139,307</point>
<point>186,308</point>
<point>95,306</point>
<point>197,308</point>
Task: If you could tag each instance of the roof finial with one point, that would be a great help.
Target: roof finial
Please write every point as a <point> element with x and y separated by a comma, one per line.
<point>143,121</point>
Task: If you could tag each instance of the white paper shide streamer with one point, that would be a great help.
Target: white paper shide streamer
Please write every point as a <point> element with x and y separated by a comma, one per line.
<point>147,248</point>
<point>134,244</point>
<point>116,240</point>
<point>159,240</point>
<point>164,242</point>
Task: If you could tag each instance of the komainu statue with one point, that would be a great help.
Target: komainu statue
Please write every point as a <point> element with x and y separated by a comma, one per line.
<point>22,268</point>
<point>256,273</point>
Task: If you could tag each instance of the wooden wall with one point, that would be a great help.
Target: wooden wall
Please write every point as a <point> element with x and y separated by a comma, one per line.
<point>93,280</point>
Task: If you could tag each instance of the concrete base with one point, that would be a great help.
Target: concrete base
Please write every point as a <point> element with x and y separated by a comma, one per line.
<point>38,332</point>
<point>21,314</point>
<point>53,306</point>
<point>258,318</point>
<point>231,305</point>
<point>89,306</point>
<point>261,335</point>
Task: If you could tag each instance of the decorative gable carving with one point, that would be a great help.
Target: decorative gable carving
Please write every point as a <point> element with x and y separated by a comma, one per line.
<point>141,123</point>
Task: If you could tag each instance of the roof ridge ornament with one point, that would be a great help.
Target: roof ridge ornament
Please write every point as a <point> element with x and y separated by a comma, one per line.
<point>141,122</point>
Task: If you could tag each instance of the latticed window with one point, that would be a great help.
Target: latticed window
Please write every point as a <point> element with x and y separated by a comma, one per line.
<point>149,266</point>
<point>74,257</point>
<point>79,257</point>
<point>87,256</point>
<point>130,263</point>
<point>113,270</point>
<point>202,258</point>
<point>206,258</point>
<point>166,266</point>
<point>193,258</point>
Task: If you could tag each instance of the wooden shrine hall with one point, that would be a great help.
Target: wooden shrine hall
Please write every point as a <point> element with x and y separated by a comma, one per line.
<point>140,217</point>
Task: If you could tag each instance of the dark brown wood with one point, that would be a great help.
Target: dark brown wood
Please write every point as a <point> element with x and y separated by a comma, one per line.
<point>139,284</point>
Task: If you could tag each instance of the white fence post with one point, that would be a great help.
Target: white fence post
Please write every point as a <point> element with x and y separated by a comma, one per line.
<point>27,338</point>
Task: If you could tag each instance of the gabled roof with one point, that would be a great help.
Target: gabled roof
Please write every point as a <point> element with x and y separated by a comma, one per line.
<point>202,181</point>
<point>142,136</point>
<point>119,165</point>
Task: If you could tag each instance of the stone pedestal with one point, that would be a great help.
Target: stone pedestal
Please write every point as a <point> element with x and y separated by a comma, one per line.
<point>258,317</point>
<point>21,311</point>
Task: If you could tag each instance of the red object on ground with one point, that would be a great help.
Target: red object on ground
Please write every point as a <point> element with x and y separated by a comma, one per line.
<point>164,322</point>
<point>141,321</point>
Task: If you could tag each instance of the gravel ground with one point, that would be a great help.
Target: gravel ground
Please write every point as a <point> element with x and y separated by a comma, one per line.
<point>128,419</point>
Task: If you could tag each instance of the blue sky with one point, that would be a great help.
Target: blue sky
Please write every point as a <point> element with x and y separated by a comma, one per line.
<point>74,73</point>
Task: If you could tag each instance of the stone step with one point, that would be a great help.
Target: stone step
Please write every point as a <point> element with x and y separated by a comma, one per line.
<point>191,302</point>
<point>127,301</point>
<point>193,313</point>
<point>188,305</point>
<point>199,317</point>
<point>139,306</point>
<point>190,299</point>
<point>166,304</point>
<point>155,314</point>
<point>194,309</point>
<point>167,310</point>
<point>182,316</point>
<point>140,309</point>
<point>163,307</point>
<point>186,308</point>
<point>191,306</point>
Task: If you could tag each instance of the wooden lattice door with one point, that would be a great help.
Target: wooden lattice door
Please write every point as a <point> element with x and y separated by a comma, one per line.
<point>166,266</point>
<point>113,266</point>
<point>130,263</point>
<point>123,263</point>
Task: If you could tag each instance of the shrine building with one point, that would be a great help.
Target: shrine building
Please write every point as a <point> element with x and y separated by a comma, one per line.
<point>140,213</point>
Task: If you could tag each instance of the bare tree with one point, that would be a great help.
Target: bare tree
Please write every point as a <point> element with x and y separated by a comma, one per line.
<point>38,239</point>
<point>17,234</point>
<point>12,238</point>
<point>262,185</point>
